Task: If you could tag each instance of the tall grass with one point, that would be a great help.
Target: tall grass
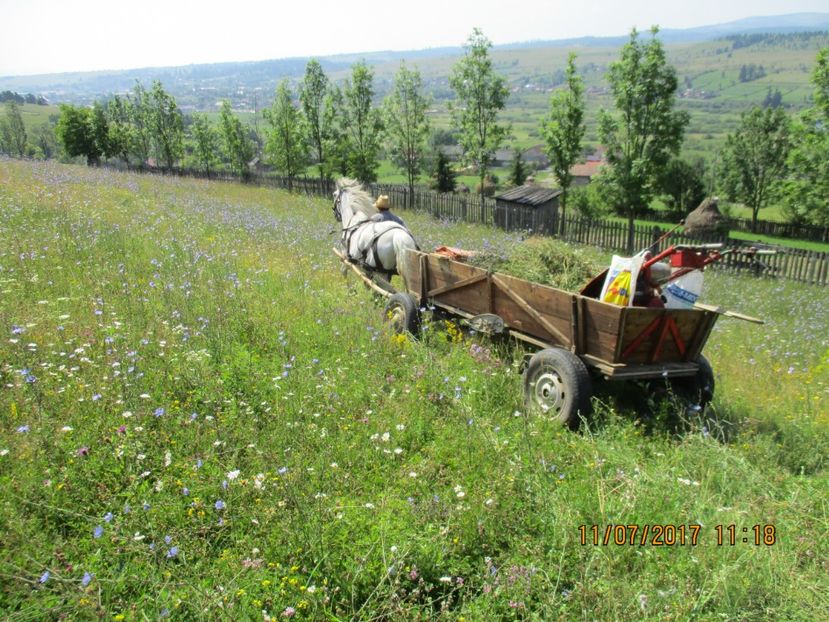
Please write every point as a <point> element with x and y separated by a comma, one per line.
<point>200,418</point>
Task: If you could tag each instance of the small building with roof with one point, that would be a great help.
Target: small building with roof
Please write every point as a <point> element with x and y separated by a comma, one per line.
<point>529,207</point>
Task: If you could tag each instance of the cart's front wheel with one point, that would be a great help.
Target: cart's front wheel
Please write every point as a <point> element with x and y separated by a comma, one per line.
<point>402,313</point>
<point>557,382</point>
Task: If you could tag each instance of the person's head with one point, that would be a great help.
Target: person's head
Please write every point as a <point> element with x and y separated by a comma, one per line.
<point>382,203</point>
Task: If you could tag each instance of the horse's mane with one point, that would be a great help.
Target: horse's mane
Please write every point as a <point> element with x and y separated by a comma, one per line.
<point>361,200</point>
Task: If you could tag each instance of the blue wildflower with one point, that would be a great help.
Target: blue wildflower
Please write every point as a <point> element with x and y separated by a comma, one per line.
<point>45,577</point>
<point>23,429</point>
<point>172,552</point>
<point>220,505</point>
<point>108,517</point>
<point>87,579</point>
<point>98,532</point>
<point>158,411</point>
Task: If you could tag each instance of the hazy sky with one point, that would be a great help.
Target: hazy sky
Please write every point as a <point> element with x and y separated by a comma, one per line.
<point>45,36</point>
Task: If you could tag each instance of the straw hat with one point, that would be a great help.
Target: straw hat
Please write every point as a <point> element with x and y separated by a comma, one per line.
<point>382,202</point>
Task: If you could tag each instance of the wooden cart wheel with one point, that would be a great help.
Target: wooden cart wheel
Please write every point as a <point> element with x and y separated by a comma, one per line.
<point>557,382</point>
<point>402,313</point>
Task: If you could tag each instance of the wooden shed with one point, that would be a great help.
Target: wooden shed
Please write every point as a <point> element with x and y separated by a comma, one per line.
<point>529,207</point>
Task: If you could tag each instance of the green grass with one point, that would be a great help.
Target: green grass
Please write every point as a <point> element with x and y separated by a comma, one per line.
<point>171,343</point>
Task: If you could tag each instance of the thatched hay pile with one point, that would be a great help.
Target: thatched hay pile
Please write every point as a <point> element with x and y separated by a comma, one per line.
<point>706,221</point>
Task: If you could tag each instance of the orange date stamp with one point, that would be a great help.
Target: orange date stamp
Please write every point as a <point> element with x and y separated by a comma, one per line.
<point>669,534</point>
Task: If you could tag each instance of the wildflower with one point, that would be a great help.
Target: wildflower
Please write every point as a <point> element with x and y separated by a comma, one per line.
<point>108,517</point>
<point>173,552</point>
<point>83,452</point>
<point>4,452</point>
<point>289,612</point>
<point>446,580</point>
<point>23,429</point>
<point>168,539</point>
<point>158,411</point>
<point>66,428</point>
<point>98,532</point>
<point>220,505</point>
<point>282,470</point>
<point>45,577</point>
<point>233,475</point>
<point>185,491</point>
<point>96,397</point>
<point>87,579</point>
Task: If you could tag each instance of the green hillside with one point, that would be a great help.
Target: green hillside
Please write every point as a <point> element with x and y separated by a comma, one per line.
<point>201,419</point>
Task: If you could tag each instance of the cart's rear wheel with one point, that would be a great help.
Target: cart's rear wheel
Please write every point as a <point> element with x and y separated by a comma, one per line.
<point>556,382</point>
<point>402,313</point>
<point>697,390</point>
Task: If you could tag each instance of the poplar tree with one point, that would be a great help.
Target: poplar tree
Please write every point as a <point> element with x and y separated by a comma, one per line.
<point>481,95</point>
<point>407,126</point>
<point>205,142</point>
<point>563,131</point>
<point>237,147</point>
<point>286,139</point>
<point>363,124</point>
<point>645,131</point>
<point>312,95</point>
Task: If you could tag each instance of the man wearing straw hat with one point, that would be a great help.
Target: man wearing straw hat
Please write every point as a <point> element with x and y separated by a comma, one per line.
<point>384,206</point>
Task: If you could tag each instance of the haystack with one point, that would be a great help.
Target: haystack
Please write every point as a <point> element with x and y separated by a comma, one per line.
<point>706,221</point>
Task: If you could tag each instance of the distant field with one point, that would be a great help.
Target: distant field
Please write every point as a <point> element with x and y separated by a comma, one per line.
<point>202,419</point>
<point>34,115</point>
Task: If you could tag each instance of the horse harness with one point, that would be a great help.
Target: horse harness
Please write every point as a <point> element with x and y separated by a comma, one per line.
<point>371,248</point>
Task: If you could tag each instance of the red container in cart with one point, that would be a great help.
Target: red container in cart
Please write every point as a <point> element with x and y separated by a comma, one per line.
<point>688,258</point>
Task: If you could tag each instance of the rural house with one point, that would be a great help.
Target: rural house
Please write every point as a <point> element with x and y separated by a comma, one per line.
<point>529,207</point>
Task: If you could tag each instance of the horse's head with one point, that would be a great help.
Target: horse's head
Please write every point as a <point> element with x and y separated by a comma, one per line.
<point>352,204</point>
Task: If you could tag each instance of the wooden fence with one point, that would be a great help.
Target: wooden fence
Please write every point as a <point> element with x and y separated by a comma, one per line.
<point>786,263</point>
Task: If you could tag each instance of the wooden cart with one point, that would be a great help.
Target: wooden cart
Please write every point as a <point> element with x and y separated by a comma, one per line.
<point>578,338</point>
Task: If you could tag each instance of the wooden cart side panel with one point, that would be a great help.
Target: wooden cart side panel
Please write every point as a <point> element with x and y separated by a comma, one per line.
<point>600,325</point>
<point>551,305</point>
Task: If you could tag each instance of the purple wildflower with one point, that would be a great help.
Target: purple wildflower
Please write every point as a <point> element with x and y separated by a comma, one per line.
<point>87,579</point>
<point>172,552</point>
<point>98,532</point>
<point>108,517</point>
<point>158,411</point>
<point>45,577</point>
<point>220,505</point>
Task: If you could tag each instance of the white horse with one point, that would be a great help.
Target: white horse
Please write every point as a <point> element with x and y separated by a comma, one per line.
<point>375,245</point>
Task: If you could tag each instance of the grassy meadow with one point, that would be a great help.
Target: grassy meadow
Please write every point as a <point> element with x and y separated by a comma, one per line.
<point>201,418</point>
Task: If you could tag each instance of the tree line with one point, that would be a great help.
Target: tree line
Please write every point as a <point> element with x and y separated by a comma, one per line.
<point>341,129</point>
